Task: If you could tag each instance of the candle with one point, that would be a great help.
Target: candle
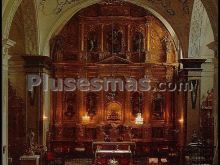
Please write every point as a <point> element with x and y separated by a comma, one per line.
<point>139,119</point>
<point>85,118</point>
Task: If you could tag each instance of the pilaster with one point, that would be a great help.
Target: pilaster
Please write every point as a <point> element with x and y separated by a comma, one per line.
<point>7,43</point>
<point>38,100</point>
<point>192,74</point>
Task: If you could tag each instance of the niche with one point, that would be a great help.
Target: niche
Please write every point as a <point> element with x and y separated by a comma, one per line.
<point>114,112</point>
<point>92,41</point>
<point>91,104</point>
<point>158,107</point>
<point>138,42</point>
<point>70,105</point>
<point>136,103</point>
<point>114,40</point>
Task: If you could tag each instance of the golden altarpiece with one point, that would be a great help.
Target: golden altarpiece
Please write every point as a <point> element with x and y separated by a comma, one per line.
<point>113,40</point>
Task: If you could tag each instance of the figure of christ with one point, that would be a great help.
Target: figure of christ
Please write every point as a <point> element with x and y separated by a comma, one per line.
<point>114,41</point>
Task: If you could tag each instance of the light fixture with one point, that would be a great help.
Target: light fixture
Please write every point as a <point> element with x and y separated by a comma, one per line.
<point>45,117</point>
<point>181,120</point>
<point>139,119</point>
<point>86,118</point>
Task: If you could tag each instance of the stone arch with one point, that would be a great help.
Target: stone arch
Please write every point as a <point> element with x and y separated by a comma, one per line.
<point>201,32</point>
<point>24,32</point>
<point>29,9</point>
<point>10,9</point>
<point>212,11</point>
<point>15,65</point>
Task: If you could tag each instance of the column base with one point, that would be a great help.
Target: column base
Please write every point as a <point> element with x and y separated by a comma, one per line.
<point>30,160</point>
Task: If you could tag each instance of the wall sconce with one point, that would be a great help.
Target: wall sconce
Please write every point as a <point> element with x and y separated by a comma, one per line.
<point>85,118</point>
<point>139,119</point>
<point>195,84</point>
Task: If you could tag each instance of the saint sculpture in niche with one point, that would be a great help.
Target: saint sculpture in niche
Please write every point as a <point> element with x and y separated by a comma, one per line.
<point>70,106</point>
<point>114,41</point>
<point>157,107</point>
<point>136,102</point>
<point>92,42</point>
<point>70,110</point>
<point>91,104</point>
<point>138,42</point>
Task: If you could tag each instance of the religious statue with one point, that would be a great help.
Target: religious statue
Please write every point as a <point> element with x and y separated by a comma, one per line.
<point>138,42</point>
<point>70,108</point>
<point>209,98</point>
<point>208,101</point>
<point>91,104</point>
<point>114,41</point>
<point>31,146</point>
<point>92,42</point>
<point>136,103</point>
<point>157,107</point>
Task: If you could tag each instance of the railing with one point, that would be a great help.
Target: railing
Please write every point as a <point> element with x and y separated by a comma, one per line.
<point>197,153</point>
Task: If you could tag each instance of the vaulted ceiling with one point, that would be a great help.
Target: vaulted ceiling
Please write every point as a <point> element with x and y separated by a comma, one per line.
<point>52,15</point>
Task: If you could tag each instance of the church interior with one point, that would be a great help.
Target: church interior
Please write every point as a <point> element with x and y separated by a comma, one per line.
<point>166,41</point>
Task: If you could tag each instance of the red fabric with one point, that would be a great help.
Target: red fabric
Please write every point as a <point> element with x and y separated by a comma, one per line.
<point>50,156</point>
<point>124,161</point>
<point>102,161</point>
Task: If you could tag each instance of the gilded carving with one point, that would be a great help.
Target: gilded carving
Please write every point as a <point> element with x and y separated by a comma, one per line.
<point>113,112</point>
<point>106,35</point>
